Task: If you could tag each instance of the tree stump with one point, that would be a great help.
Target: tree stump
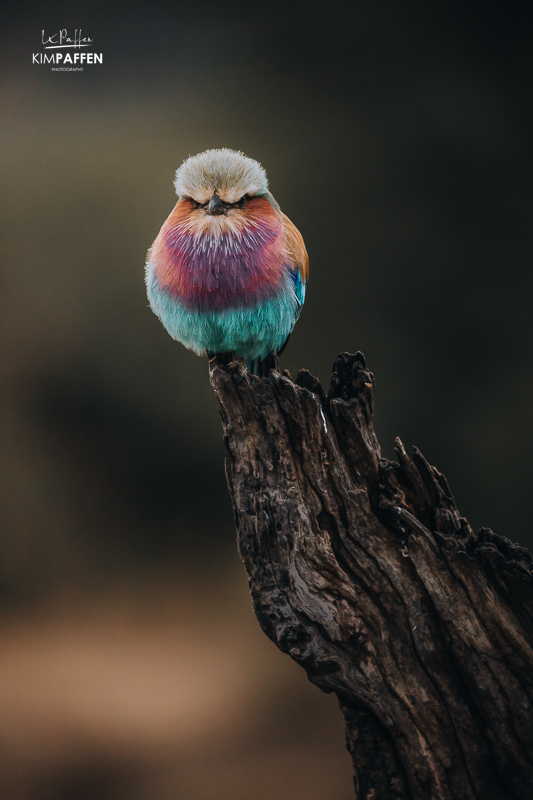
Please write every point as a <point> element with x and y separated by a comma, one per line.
<point>365,573</point>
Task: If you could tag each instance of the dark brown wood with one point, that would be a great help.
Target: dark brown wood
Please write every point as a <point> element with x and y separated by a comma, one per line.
<point>365,573</point>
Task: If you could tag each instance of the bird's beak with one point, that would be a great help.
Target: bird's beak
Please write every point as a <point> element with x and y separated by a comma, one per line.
<point>216,206</point>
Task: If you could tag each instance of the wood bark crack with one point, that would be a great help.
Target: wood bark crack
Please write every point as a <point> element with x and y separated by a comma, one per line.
<point>365,573</point>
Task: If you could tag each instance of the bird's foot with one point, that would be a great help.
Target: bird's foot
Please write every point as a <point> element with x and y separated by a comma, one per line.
<point>230,363</point>
<point>269,363</point>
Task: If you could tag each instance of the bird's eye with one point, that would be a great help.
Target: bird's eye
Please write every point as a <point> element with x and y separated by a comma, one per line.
<point>240,203</point>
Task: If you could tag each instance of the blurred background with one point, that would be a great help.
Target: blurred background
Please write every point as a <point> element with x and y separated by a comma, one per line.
<point>397,137</point>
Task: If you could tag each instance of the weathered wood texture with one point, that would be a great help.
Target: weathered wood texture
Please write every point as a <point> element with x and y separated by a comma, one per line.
<point>365,573</point>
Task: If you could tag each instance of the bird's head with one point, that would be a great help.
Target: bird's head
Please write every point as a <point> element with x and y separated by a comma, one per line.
<point>218,187</point>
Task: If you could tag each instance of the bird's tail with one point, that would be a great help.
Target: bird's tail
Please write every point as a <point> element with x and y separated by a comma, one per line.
<point>262,366</point>
<point>253,365</point>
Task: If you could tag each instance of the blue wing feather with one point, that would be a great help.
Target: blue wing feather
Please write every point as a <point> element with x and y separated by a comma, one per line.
<point>299,285</point>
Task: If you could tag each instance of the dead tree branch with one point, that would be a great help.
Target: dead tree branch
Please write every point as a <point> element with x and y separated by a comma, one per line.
<point>365,573</point>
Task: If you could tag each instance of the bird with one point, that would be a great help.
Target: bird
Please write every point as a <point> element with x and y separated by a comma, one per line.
<point>227,273</point>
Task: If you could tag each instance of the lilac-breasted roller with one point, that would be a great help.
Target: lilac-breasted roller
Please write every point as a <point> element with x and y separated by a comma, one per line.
<point>227,271</point>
